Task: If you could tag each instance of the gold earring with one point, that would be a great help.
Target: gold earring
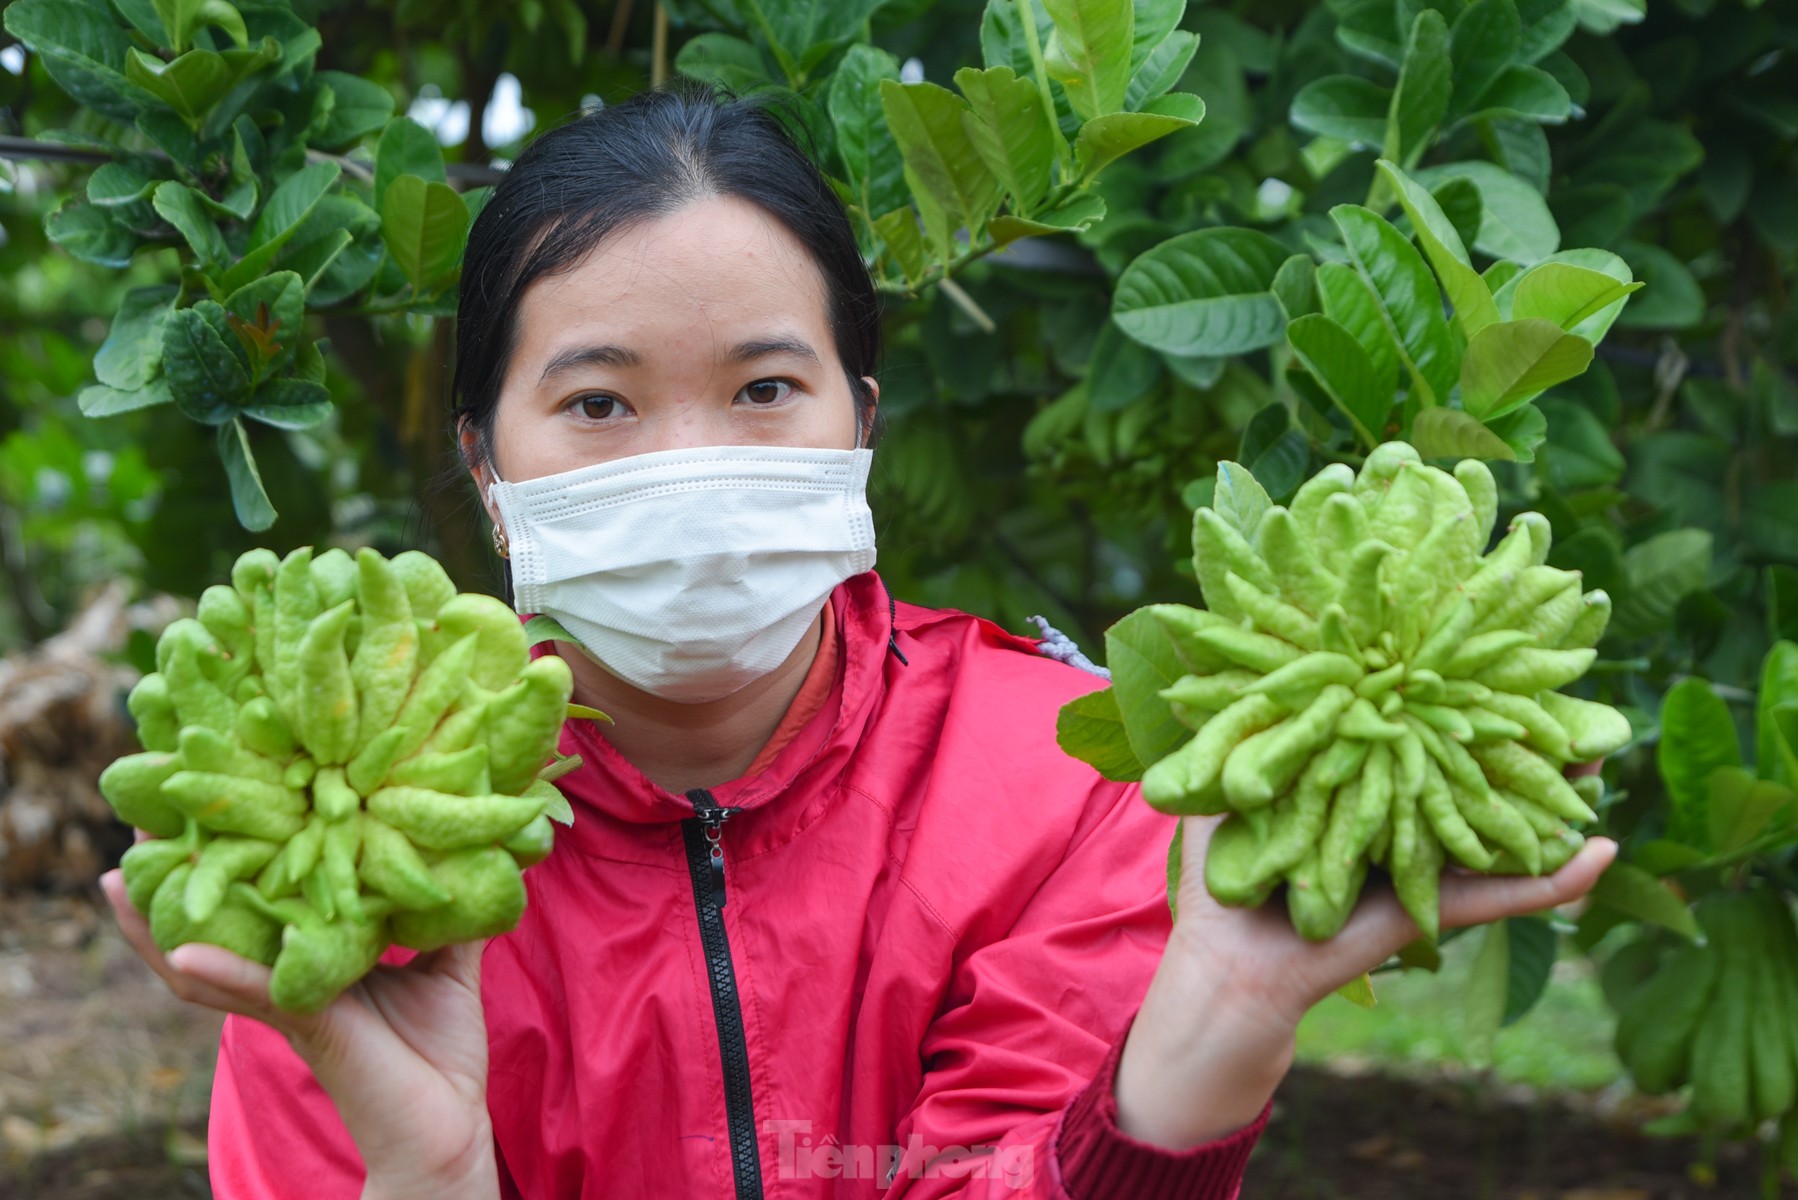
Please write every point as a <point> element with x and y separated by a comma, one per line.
<point>500,545</point>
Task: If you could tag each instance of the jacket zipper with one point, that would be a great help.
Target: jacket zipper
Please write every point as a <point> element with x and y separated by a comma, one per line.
<point>704,834</point>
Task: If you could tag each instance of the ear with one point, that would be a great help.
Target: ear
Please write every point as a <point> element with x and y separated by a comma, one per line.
<point>864,427</point>
<point>468,440</point>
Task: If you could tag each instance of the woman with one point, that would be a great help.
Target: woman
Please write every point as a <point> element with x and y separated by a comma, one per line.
<point>836,917</point>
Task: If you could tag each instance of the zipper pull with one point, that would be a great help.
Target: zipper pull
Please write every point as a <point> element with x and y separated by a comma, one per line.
<point>712,817</point>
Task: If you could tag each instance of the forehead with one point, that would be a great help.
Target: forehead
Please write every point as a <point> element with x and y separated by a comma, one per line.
<point>718,263</point>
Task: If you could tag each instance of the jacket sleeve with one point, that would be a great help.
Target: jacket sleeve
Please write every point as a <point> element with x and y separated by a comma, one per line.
<point>1019,1064</point>
<point>274,1134</point>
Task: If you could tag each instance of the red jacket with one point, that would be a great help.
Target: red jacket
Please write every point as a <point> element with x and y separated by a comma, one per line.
<point>917,947</point>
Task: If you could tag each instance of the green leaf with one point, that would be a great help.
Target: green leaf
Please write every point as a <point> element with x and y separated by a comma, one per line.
<point>1509,363</point>
<point>1522,430</point>
<point>725,62</point>
<point>1641,897</point>
<point>1295,284</point>
<point>1482,44</point>
<point>1006,125</point>
<point>248,497</point>
<point>1672,299</point>
<point>904,241</point>
<point>1203,293</point>
<point>281,299</point>
<point>926,121</point>
<point>424,226</point>
<point>1141,656</point>
<point>1595,324</point>
<point>1467,292</point>
<point>1120,371</point>
<point>1566,294</point>
<point>289,204</point>
<point>1421,98</point>
<point>1528,92</point>
<point>290,404</point>
<point>1770,520</point>
<point>190,84</point>
<point>119,183</point>
<point>1092,730</point>
<point>1488,992</point>
<point>1345,107</point>
<point>180,206</point>
<point>131,355</point>
<point>1451,433</point>
<point>406,148</point>
<point>1532,946</point>
<point>1342,368</point>
<point>1742,807</point>
<point>1350,301</point>
<point>207,379</point>
<point>1514,219</point>
<point>1775,757</point>
<point>1359,991</point>
<point>1661,570</point>
<point>83,49</point>
<point>1175,851</point>
<point>1106,138</point>
<point>90,234</point>
<point>1698,737</point>
<point>1161,70</point>
<point>181,18</point>
<point>1276,454</point>
<point>1581,453</point>
<point>1410,304</point>
<point>102,400</point>
<point>1089,52</point>
<point>870,157</point>
<point>362,107</point>
<point>1075,216</point>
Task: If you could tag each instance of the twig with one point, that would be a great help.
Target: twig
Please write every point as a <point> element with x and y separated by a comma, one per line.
<point>621,22</point>
<point>658,51</point>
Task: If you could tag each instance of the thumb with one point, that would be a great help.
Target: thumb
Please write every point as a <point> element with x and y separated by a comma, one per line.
<point>460,961</point>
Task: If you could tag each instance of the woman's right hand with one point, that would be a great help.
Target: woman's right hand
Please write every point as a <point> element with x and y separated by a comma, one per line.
<point>402,1054</point>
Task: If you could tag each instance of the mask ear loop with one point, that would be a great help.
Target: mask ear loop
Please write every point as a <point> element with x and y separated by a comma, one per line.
<point>501,545</point>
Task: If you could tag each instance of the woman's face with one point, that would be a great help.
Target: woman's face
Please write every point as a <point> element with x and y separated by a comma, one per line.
<point>705,327</point>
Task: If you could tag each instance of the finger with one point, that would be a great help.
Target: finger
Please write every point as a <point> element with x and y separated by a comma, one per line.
<point>1576,770</point>
<point>1475,901</point>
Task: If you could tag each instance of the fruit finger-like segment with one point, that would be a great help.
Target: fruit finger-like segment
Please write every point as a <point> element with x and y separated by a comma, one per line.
<point>198,698</point>
<point>427,587</point>
<point>1482,649</point>
<point>1508,607</point>
<point>1428,569</point>
<point>1308,502</point>
<point>153,709</point>
<point>1594,730</point>
<point>1233,864</point>
<point>1315,916</point>
<point>260,727</point>
<point>1299,578</point>
<point>1378,683</point>
<point>1403,517</point>
<point>1363,599</point>
<point>296,605</point>
<point>1475,478</point>
<point>1304,676</point>
<point>149,862</point>
<point>458,731</point>
<point>502,649</point>
<point>1297,820</point>
<point>437,688</point>
<point>1541,535</point>
<point>232,805</point>
<point>1334,634</point>
<point>487,895</point>
<point>1443,719</point>
<point>524,722</point>
<point>1273,615</point>
<point>227,618</point>
<point>1217,550</point>
<point>1589,625</point>
<point>1363,720</point>
<point>234,925</point>
<point>133,786</point>
<point>222,862</point>
<point>532,844</point>
<point>1527,773</point>
<point>386,659</point>
<point>332,797</point>
<point>375,760</point>
<point>1498,571</point>
<point>1501,825</point>
<point>441,821</point>
<point>463,773</point>
<point>203,749</point>
<point>1261,766</point>
<point>1208,693</point>
<point>319,959</point>
<point>342,847</point>
<point>1382,466</point>
<point>1526,672</point>
<point>391,866</point>
<point>1361,807</point>
<point>1414,860</point>
<point>1448,636</point>
<point>1182,625</point>
<point>1244,647</point>
<point>296,860</point>
<point>1655,1028</point>
<point>1341,527</point>
<point>1488,726</point>
<point>1551,620</point>
<point>334,576</point>
<point>324,700</point>
<point>1187,781</point>
<point>1457,765</point>
<point>253,574</point>
<point>1541,730</point>
<point>1437,804</point>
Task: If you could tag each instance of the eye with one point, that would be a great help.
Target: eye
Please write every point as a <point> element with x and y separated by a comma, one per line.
<point>765,392</point>
<point>598,407</point>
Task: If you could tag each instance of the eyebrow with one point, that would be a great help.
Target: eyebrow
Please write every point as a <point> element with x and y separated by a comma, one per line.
<point>607,355</point>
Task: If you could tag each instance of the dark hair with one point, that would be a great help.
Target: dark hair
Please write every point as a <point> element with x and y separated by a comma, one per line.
<point>613,166</point>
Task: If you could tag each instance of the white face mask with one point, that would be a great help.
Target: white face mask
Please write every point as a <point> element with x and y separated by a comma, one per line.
<point>690,573</point>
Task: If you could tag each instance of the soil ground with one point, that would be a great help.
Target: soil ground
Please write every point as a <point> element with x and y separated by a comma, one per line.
<point>104,1079</point>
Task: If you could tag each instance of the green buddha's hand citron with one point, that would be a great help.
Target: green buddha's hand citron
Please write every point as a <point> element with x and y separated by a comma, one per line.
<point>342,754</point>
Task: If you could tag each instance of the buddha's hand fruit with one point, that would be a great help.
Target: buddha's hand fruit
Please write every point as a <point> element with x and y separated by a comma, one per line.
<point>340,755</point>
<point>1366,686</point>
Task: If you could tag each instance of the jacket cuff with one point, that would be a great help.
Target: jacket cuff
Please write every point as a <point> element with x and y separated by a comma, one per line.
<point>1098,1161</point>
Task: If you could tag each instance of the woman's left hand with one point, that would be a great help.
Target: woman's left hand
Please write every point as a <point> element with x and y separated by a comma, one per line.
<point>1214,1035</point>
